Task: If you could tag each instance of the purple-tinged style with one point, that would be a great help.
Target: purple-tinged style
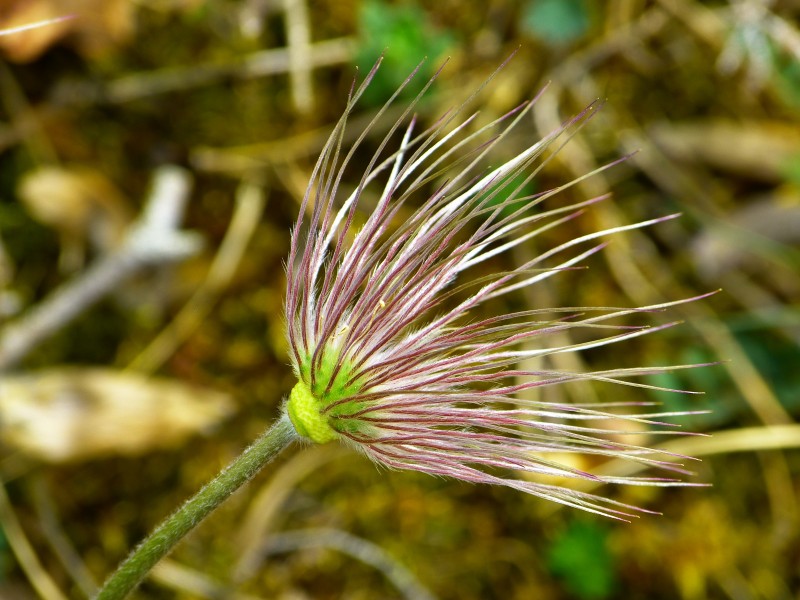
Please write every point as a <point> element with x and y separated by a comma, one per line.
<point>382,294</point>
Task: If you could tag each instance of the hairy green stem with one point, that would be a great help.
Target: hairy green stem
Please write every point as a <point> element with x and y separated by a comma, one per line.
<point>131,572</point>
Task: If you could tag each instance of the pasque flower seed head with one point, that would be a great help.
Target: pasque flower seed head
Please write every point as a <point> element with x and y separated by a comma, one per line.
<point>386,351</point>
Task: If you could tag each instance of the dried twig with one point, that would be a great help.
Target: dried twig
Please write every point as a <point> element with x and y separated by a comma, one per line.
<point>23,551</point>
<point>358,548</point>
<point>58,540</point>
<point>298,39</point>
<point>153,240</point>
<point>258,64</point>
<point>249,206</point>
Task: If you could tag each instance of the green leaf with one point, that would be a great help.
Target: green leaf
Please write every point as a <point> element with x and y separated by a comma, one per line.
<point>556,22</point>
<point>580,556</point>
<point>405,36</point>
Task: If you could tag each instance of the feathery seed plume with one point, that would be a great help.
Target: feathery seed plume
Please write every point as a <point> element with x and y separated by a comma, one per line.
<point>387,356</point>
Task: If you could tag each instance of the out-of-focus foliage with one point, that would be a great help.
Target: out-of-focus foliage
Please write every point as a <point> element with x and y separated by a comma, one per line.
<point>397,32</point>
<point>580,557</point>
<point>556,22</point>
<point>704,93</point>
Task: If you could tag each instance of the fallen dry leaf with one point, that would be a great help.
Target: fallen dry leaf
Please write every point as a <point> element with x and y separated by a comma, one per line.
<point>68,414</point>
<point>81,204</point>
<point>94,27</point>
<point>24,46</point>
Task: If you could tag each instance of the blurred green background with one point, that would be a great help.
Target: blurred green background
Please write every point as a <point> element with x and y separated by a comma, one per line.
<point>242,95</point>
